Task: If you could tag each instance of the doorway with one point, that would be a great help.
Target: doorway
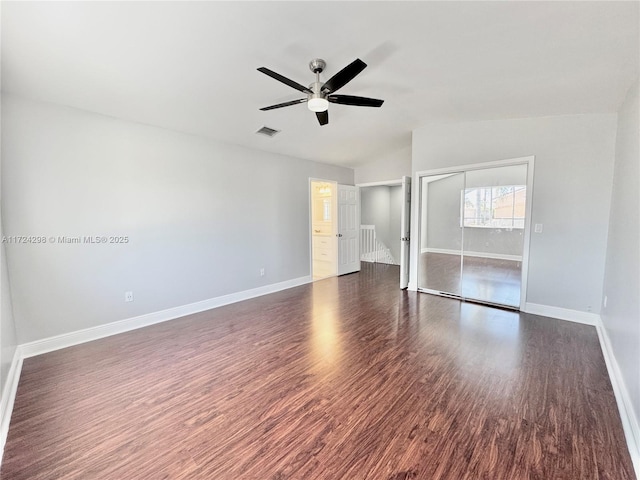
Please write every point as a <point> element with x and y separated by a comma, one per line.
<point>380,224</point>
<point>474,232</point>
<point>324,207</point>
<point>335,228</point>
<point>385,224</point>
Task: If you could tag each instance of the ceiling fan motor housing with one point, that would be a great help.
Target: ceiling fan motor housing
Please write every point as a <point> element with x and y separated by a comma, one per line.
<point>316,88</point>
<point>317,101</point>
<point>317,65</point>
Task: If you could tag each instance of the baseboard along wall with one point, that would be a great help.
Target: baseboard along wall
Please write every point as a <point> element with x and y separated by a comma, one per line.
<point>588,318</point>
<point>94,333</point>
<point>70,339</point>
<point>8,397</point>
<point>628,416</point>
<point>625,407</point>
<point>469,253</point>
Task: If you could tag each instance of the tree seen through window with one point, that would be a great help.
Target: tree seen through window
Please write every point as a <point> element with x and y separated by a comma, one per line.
<point>495,207</point>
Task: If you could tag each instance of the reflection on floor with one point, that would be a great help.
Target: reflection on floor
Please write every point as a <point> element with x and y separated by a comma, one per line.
<point>345,378</point>
<point>486,279</point>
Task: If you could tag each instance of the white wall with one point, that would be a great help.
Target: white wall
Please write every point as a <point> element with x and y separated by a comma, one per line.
<point>382,206</point>
<point>621,316</point>
<point>571,193</point>
<point>202,217</point>
<point>395,218</point>
<point>388,167</point>
<point>391,166</point>
<point>443,213</point>
<point>441,217</point>
<point>374,210</point>
<point>8,339</point>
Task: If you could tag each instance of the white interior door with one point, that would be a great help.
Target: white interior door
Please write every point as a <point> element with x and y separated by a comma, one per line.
<point>348,229</point>
<point>405,228</point>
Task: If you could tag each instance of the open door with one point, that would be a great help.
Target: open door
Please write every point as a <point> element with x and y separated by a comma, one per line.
<point>405,224</point>
<point>348,229</point>
<point>324,244</point>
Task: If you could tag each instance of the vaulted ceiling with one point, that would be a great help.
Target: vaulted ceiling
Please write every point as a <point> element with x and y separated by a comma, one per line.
<point>191,66</point>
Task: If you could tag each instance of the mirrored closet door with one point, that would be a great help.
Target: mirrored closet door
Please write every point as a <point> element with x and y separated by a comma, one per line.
<point>472,234</point>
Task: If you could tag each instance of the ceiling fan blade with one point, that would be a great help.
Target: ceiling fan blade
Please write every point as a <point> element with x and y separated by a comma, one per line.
<point>285,104</point>
<point>323,117</point>
<point>344,76</point>
<point>284,80</point>
<point>357,101</point>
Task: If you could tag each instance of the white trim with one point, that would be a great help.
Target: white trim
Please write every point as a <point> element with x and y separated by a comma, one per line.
<point>50,344</point>
<point>417,217</point>
<point>310,226</point>
<point>9,397</point>
<point>474,166</point>
<point>496,256</point>
<point>588,318</point>
<point>414,229</point>
<point>630,424</point>
<point>629,421</point>
<point>94,333</point>
<point>405,231</point>
<point>524,279</point>
<point>384,183</point>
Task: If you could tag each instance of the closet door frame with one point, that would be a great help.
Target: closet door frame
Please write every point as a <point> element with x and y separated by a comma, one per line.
<point>416,227</point>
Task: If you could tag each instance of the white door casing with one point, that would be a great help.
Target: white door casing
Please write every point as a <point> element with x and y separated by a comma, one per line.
<point>417,216</point>
<point>348,229</point>
<point>323,241</point>
<point>405,232</point>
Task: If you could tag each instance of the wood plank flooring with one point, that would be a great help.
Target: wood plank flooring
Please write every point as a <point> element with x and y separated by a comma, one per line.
<point>346,378</point>
<point>484,279</point>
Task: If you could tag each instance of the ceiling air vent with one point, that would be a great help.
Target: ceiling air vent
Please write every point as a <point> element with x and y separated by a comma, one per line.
<point>269,132</point>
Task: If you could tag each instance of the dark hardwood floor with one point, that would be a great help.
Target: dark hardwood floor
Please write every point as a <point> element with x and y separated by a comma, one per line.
<point>346,378</point>
<point>485,279</point>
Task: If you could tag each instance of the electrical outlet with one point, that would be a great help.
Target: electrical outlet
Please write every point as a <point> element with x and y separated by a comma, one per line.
<point>605,302</point>
<point>128,296</point>
<point>538,228</point>
<point>262,272</point>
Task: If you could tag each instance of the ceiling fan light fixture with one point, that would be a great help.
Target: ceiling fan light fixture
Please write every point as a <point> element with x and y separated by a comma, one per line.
<point>318,104</point>
<point>319,94</point>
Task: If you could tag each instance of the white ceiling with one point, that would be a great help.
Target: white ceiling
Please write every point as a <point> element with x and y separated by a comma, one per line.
<point>191,66</point>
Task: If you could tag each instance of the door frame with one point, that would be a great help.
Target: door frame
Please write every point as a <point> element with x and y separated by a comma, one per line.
<point>416,225</point>
<point>334,223</point>
<point>405,232</point>
<point>392,183</point>
<point>342,227</point>
<point>385,183</point>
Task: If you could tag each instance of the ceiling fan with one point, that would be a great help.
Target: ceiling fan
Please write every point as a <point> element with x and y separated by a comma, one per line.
<point>320,94</point>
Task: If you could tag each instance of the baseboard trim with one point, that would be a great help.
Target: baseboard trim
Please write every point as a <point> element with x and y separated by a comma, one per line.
<point>9,397</point>
<point>630,424</point>
<point>70,339</point>
<point>628,417</point>
<point>39,347</point>
<point>629,420</point>
<point>495,256</point>
<point>588,318</point>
